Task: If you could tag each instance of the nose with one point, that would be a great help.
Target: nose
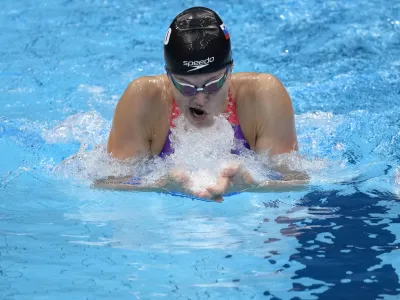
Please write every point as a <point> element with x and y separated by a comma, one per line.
<point>200,98</point>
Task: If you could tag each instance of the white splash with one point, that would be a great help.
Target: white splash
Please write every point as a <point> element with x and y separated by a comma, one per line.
<point>89,165</point>
<point>202,152</point>
<point>92,89</point>
<point>397,181</point>
<point>87,128</point>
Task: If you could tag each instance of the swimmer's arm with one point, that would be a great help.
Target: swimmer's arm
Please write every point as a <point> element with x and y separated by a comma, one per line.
<point>122,184</point>
<point>173,181</point>
<point>274,186</point>
<point>275,126</point>
<point>129,135</point>
<point>162,186</point>
<point>235,179</point>
<point>276,132</point>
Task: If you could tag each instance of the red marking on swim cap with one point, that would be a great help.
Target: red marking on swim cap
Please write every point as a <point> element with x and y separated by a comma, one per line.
<point>225,31</point>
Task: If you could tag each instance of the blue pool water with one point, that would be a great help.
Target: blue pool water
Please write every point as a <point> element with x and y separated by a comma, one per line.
<point>64,66</point>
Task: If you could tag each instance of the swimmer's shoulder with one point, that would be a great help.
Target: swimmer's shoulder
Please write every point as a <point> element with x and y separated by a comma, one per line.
<point>149,90</point>
<point>147,96</point>
<point>258,96</point>
<point>141,114</point>
<point>246,86</point>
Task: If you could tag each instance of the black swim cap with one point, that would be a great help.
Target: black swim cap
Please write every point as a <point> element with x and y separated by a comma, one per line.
<point>197,42</point>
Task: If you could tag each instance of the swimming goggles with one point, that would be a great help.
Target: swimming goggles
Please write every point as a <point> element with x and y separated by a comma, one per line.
<point>209,88</point>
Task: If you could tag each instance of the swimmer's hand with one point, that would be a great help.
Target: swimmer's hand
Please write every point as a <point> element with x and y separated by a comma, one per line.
<point>236,178</point>
<point>231,178</point>
<point>180,180</point>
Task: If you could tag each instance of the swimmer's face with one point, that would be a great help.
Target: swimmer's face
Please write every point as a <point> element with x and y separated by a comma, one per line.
<point>201,107</point>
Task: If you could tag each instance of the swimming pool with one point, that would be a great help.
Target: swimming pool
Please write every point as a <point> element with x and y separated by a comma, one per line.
<point>64,67</point>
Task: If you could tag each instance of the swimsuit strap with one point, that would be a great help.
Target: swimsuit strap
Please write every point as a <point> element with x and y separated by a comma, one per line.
<point>175,113</point>
<point>230,110</point>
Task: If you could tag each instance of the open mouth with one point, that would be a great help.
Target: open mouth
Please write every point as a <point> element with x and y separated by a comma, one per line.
<point>197,114</point>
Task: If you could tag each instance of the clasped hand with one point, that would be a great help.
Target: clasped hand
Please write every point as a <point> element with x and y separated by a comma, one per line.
<point>231,177</point>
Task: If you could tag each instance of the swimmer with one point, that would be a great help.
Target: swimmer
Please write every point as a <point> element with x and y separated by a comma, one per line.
<point>199,85</point>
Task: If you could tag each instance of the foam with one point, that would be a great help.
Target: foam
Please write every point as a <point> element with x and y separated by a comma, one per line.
<point>201,152</point>
<point>87,128</point>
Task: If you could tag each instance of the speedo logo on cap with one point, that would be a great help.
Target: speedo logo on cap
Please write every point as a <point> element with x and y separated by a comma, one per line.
<point>197,64</point>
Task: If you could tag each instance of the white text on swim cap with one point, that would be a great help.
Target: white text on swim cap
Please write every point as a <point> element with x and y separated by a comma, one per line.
<point>167,36</point>
<point>198,64</point>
